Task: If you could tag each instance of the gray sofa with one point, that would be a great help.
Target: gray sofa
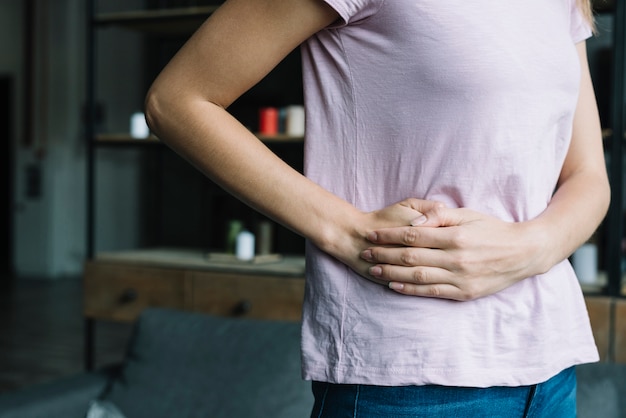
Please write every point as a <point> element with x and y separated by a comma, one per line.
<point>183,365</point>
<point>188,365</point>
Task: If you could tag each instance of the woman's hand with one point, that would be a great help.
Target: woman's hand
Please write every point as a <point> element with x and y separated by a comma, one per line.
<point>347,247</point>
<point>469,256</point>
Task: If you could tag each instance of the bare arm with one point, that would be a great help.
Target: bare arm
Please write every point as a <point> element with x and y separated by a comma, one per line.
<point>583,192</point>
<point>480,255</point>
<point>186,107</point>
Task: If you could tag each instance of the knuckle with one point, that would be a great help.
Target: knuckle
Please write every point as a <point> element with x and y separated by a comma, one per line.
<point>462,262</point>
<point>433,291</point>
<point>419,276</point>
<point>438,209</point>
<point>408,257</point>
<point>470,293</point>
<point>410,236</point>
<point>374,254</point>
<point>459,239</point>
<point>437,213</point>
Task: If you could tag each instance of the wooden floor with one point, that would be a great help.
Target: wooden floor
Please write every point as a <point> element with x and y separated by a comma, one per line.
<point>42,332</point>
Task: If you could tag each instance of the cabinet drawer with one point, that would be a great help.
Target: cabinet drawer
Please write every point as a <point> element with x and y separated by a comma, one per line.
<point>599,309</point>
<point>251,296</point>
<point>620,331</point>
<point>119,292</point>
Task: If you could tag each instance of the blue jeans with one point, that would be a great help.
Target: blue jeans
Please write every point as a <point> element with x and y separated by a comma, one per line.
<point>555,398</point>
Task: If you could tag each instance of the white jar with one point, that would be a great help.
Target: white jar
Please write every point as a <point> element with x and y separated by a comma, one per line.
<point>244,250</point>
<point>585,262</point>
<point>138,126</point>
<point>295,120</point>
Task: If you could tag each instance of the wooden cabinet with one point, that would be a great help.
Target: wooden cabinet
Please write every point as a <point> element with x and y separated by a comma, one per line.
<point>119,292</point>
<point>620,331</point>
<point>250,295</point>
<point>608,321</point>
<point>118,286</point>
<point>600,317</point>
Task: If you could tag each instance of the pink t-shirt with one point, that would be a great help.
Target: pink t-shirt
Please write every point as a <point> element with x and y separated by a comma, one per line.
<point>469,103</point>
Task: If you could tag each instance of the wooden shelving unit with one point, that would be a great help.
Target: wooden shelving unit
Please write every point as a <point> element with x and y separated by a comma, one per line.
<point>614,146</point>
<point>119,285</point>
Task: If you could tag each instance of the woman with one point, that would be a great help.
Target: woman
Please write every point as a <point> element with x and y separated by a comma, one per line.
<point>480,120</point>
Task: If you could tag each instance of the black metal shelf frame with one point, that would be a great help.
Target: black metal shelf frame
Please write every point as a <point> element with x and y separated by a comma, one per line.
<point>616,150</point>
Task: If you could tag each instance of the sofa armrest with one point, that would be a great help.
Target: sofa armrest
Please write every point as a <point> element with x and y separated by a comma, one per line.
<point>63,398</point>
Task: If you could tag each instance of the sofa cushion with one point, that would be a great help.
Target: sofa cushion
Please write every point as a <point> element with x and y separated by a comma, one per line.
<point>103,409</point>
<point>601,390</point>
<point>186,365</point>
<point>67,397</point>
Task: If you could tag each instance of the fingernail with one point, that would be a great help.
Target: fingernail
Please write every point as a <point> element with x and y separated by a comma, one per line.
<point>376,271</point>
<point>419,221</point>
<point>366,255</point>
<point>396,286</point>
<point>372,236</point>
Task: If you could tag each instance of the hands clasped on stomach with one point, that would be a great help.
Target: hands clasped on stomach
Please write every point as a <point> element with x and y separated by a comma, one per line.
<point>449,253</point>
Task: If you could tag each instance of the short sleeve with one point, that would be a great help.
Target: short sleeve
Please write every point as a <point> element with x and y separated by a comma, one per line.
<point>352,11</point>
<point>580,29</point>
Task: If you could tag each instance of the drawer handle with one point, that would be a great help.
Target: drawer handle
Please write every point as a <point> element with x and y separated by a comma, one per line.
<point>129,296</point>
<point>242,308</point>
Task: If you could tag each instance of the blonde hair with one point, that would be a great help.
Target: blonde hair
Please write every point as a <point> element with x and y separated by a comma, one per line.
<point>587,11</point>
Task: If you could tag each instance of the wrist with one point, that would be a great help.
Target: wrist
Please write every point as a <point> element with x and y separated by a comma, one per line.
<point>539,246</point>
<point>344,235</point>
<point>345,239</point>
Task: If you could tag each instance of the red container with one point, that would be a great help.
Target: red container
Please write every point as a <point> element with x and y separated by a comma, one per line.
<point>268,121</point>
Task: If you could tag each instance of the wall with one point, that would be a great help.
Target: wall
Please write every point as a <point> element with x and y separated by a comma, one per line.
<point>49,225</point>
<point>10,66</point>
<point>49,229</point>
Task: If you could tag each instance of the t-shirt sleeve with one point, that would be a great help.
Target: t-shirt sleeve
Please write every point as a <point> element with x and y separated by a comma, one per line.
<point>579,27</point>
<point>351,11</point>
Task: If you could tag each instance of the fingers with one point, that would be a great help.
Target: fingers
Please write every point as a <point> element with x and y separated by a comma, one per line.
<point>426,209</point>
<point>411,236</point>
<point>436,214</point>
<point>423,206</point>
<point>431,282</point>
<point>439,291</point>
<point>406,256</point>
<point>408,275</point>
<point>422,272</point>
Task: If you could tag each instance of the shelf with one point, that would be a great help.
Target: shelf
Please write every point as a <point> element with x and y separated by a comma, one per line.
<point>599,286</point>
<point>603,6</point>
<point>195,259</point>
<point>279,138</point>
<point>126,139</point>
<point>160,21</point>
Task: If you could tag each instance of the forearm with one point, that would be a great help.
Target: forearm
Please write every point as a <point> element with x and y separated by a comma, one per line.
<point>573,215</point>
<point>186,107</point>
<point>225,151</point>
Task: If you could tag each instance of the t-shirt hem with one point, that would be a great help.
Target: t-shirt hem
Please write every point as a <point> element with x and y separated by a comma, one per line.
<point>459,377</point>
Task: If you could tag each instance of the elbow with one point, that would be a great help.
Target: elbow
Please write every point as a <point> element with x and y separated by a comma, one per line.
<point>153,109</point>
<point>607,195</point>
<point>601,190</point>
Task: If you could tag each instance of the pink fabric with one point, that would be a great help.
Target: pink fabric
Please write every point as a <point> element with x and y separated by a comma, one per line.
<point>470,103</point>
